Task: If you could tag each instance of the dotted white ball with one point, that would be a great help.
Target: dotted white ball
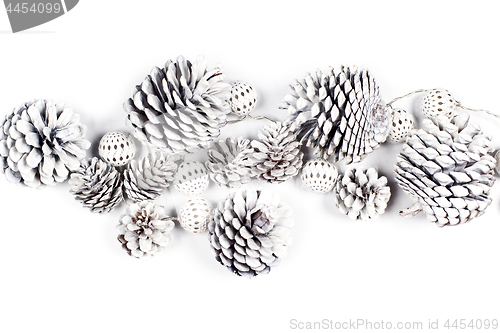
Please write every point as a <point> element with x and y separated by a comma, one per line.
<point>191,178</point>
<point>243,98</point>
<point>438,102</point>
<point>117,148</point>
<point>319,175</point>
<point>401,126</point>
<point>195,215</point>
<point>497,165</point>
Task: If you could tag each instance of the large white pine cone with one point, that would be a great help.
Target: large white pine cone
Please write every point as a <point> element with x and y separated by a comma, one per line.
<point>445,167</point>
<point>40,143</point>
<point>147,179</point>
<point>144,230</point>
<point>250,231</point>
<point>228,162</point>
<point>179,108</point>
<point>277,156</point>
<point>361,194</point>
<point>338,113</point>
<point>97,185</point>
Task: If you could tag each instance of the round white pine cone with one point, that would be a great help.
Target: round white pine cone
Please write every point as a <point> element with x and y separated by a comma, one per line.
<point>144,230</point>
<point>319,175</point>
<point>228,162</point>
<point>40,143</point>
<point>97,185</point>
<point>438,102</point>
<point>147,179</point>
<point>445,167</point>
<point>338,113</point>
<point>250,231</point>
<point>117,148</point>
<point>277,156</point>
<point>195,215</point>
<point>179,108</point>
<point>191,178</point>
<point>243,98</point>
<point>361,194</point>
<point>402,123</point>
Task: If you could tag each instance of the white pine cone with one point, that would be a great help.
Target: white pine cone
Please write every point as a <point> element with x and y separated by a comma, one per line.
<point>228,163</point>
<point>144,229</point>
<point>179,108</point>
<point>445,167</point>
<point>361,194</point>
<point>250,231</point>
<point>40,143</point>
<point>97,185</point>
<point>277,156</point>
<point>148,179</point>
<point>338,113</point>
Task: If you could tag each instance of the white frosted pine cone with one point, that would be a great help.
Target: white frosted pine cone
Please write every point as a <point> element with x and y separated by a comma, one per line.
<point>195,215</point>
<point>401,125</point>
<point>148,179</point>
<point>361,194</point>
<point>438,102</point>
<point>191,178</point>
<point>276,156</point>
<point>97,185</point>
<point>446,169</point>
<point>250,231</point>
<point>338,113</point>
<point>117,148</point>
<point>179,108</point>
<point>228,162</point>
<point>243,98</point>
<point>40,143</point>
<point>144,230</point>
<point>319,175</point>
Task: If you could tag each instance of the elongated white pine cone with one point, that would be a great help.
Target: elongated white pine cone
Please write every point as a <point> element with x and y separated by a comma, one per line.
<point>445,167</point>
<point>179,108</point>
<point>339,113</point>
<point>40,143</point>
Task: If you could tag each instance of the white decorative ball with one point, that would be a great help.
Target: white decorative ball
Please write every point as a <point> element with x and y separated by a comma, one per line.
<point>402,123</point>
<point>243,98</point>
<point>319,175</point>
<point>497,165</point>
<point>195,215</point>
<point>438,102</point>
<point>191,178</point>
<point>117,148</point>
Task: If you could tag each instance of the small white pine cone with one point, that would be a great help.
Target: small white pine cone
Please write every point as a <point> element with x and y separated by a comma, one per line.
<point>97,185</point>
<point>144,230</point>
<point>148,179</point>
<point>277,156</point>
<point>40,143</point>
<point>228,163</point>
<point>361,194</point>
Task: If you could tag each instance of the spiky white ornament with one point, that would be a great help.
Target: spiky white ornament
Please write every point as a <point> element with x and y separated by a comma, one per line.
<point>117,148</point>
<point>228,162</point>
<point>319,175</point>
<point>148,178</point>
<point>338,113</point>
<point>401,125</point>
<point>195,215</point>
<point>446,169</point>
<point>250,231</point>
<point>179,108</point>
<point>145,230</point>
<point>40,143</point>
<point>438,102</point>
<point>191,178</point>
<point>243,98</point>
<point>361,194</point>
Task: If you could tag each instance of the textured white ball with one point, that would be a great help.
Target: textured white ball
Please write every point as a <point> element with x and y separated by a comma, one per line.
<point>117,148</point>
<point>243,98</point>
<point>319,175</point>
<point>191,178</point>
<point>438,102</point>
<point>497,165</point>
<point>402,123</point>
<point>195,215</point>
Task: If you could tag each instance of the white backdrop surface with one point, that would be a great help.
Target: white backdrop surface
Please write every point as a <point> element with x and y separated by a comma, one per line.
<point>61,267</point>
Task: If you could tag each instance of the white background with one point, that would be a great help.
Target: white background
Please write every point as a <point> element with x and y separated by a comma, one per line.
<point>62,269</point>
